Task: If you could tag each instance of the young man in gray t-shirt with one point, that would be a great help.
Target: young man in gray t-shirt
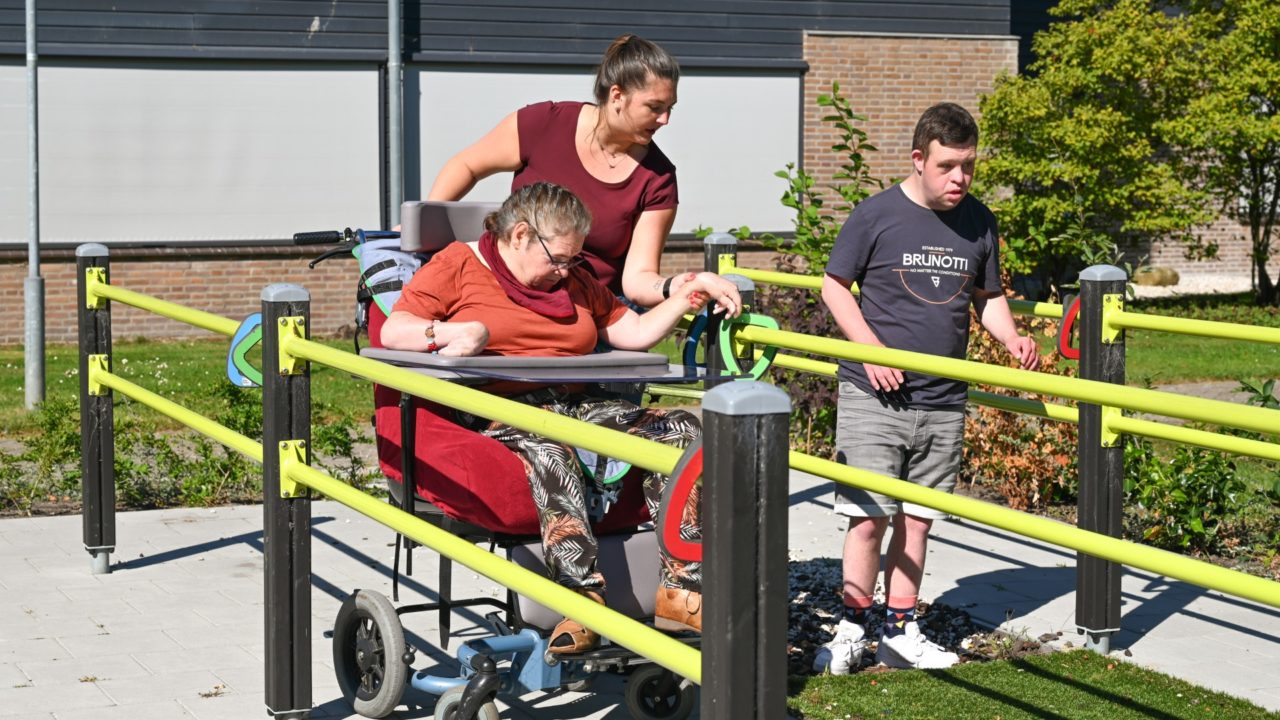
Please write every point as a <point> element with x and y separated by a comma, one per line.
<point>921,252</point>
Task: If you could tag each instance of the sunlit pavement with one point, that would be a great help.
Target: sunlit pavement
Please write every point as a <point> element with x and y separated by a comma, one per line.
<point>176,629</point>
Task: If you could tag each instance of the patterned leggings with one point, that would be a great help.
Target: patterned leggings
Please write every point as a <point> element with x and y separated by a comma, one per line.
<point>559,489</point>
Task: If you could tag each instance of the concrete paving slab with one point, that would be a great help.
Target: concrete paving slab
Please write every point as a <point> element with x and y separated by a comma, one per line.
<point>31,698</point>
<point>32,648</point>
<point>87,646</point>
<point>12,674</point>
<point>160,710</point>
<point>184,685</point>
<point>182,612</point>
<point>67,671</point>
<point>178,659</point>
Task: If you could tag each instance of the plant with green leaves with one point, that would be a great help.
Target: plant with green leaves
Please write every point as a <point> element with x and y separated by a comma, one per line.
<point>1183,498</point>
<point>1076,153</point>
<point>817,217</point>
<point>819,212</point>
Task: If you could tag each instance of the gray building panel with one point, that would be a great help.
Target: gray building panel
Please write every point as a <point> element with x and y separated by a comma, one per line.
<point>174,29</point>
<point>701,33</point>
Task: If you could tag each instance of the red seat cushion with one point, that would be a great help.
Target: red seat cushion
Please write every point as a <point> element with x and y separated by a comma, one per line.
<point>471,477</point>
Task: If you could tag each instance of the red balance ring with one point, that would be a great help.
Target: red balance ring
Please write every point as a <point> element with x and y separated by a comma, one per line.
<point>674,498</point>
<point>1072,305</point>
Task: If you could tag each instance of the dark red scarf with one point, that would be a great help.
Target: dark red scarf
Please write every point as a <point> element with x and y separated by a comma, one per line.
<point>554,303</point>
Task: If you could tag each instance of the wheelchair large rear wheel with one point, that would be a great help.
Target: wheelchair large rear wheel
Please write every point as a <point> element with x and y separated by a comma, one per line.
<point>656,693</point>
<point>369,654</point>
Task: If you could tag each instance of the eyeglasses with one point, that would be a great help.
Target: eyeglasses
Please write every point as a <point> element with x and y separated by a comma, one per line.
<point>569,264</point>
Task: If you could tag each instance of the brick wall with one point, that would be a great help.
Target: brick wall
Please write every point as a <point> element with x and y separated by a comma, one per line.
<point>1233,258</point>
<point>890,80</point>
<point>226,282</point>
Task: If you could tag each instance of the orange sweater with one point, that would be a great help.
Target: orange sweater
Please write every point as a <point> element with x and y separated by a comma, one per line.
<point>456,287</point>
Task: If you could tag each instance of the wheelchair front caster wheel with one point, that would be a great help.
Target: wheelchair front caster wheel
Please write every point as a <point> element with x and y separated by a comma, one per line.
<point>449,702</point>
<point>368,654</point>
<point>656,693</point>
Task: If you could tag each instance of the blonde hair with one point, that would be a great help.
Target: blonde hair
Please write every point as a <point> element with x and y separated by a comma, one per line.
<point>550,209</point>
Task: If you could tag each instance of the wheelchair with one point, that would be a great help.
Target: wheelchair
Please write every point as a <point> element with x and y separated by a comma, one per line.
<point>474,487</point>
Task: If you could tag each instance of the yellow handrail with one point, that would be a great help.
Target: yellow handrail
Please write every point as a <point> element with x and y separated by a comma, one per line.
<point>1128,553</point>
<point>642,453</point>
<point>1090,391</point>
<point>173,311</point>
<point>232,439</point>
<point>1119,318</point>
<point>1038,408</point>
<point>668,652</point>
<point>661,458</point>
<point>1187,326</point>
<point>1191,436</point>
<point>1051,411</point>
<point>813,282</point>
<point>1066,413</point>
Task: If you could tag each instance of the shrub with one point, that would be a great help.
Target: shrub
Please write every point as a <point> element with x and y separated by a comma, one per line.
<point>1182,499</point>
<point>1029,461</point>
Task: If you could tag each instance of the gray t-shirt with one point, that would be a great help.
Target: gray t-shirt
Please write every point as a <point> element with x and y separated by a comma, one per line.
<point>917,269</point>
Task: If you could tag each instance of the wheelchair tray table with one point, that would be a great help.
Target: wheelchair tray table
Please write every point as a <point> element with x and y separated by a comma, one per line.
<point>616,366</point>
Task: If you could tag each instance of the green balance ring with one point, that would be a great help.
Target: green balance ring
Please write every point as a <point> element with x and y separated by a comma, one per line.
<point>726,344</point>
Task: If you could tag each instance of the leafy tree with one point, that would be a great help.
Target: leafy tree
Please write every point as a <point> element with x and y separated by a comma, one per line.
<point>1232,127</point>
<point>1075,156</point>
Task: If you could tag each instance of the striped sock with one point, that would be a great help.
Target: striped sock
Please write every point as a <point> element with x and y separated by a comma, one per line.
<point>855,609</point>
<point>898,612</point>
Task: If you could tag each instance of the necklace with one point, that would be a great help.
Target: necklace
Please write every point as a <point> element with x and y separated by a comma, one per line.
<point>610,158</point>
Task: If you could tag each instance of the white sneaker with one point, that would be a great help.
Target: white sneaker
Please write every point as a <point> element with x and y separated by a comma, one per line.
<point>912,650</point>
<point>843,654</point>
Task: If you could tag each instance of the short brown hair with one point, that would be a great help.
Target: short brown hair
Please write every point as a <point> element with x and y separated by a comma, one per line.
<point>629,62</point>
<point>949,124</point>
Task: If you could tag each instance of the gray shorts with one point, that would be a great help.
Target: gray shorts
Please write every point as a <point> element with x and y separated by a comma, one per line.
<point>922,446</point>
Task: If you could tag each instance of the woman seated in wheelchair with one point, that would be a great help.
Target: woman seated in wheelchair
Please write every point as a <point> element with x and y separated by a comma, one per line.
<point>522,289</point>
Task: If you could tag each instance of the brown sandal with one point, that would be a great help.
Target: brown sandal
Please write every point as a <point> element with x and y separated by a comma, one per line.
<point>579,638</point>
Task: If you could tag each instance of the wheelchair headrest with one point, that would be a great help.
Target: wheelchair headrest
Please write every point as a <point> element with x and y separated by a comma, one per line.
<point>429,225</point>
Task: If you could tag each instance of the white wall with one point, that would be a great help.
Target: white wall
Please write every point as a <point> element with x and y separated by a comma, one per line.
<point>171,152</point>
<point>728,135</point>
<point>203,151</point>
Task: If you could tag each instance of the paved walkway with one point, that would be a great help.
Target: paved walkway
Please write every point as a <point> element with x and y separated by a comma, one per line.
<point>176,630</point>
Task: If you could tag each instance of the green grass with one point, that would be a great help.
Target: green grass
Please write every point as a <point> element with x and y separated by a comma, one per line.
<point>1079,685</point>
<point>1159,357</point>
<point>182,371</point>
<point>1165,357</point>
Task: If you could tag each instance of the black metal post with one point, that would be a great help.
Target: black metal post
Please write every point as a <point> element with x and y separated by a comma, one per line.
<point>713,246</point>
<point>744,638</point>
<point>286,522</point>
<point>1101,460</point>
<point>97,428</point>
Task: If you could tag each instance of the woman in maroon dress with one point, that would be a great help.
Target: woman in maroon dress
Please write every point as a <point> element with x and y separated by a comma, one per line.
<point>604,153</point>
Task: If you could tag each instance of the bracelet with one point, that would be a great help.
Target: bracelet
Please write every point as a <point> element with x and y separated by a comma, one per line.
<point>666,287</point>
<point>430,333</point>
